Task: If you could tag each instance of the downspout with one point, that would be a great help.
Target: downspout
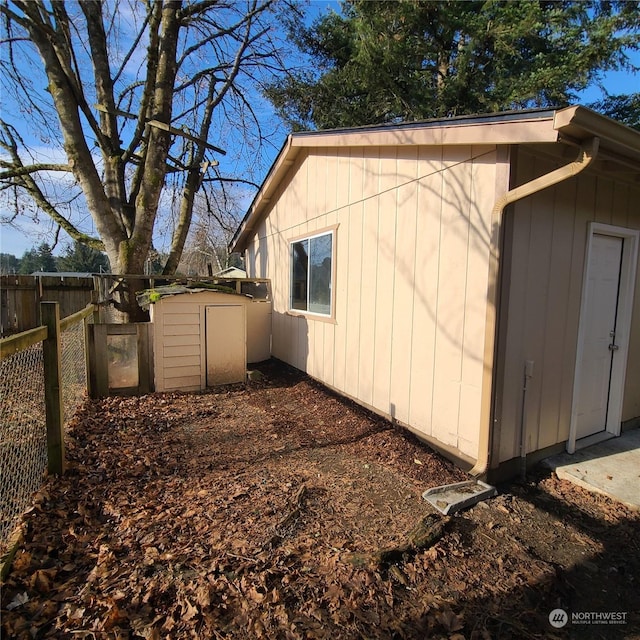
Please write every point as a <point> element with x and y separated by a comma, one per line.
<point>528,374</point>
<point>587,154</point>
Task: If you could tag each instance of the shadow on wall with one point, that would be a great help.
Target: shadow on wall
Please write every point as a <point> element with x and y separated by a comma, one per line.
<point>419,232</point>
<point>468,226</point>
<point>290,339</point>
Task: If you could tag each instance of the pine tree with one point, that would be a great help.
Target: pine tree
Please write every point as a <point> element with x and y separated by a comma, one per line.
<point>400,61</point>
<point>37,259</point>
<point>78,257</point>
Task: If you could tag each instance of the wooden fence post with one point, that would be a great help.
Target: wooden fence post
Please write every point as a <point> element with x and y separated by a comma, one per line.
<point>95,301</point>
<point>88,338</point>
<point>52,353</point>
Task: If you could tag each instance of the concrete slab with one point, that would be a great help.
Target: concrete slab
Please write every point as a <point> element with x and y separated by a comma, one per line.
<point>611,467</point>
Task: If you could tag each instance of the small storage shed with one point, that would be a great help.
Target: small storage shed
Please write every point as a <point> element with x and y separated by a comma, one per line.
<point>203,338</point>
<point>474,279</point>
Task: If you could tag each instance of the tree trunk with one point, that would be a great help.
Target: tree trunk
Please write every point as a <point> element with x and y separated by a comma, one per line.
<point>88,63</point>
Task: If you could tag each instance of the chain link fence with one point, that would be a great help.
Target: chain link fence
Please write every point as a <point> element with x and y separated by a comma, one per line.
<point>23,435</point>
<point>73,369</point>
<point>23,420</point>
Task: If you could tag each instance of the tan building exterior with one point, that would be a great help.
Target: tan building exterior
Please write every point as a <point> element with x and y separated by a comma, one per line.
<point>430,270</point>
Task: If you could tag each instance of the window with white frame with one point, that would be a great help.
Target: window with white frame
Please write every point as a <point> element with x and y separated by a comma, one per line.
<point>311,272</point>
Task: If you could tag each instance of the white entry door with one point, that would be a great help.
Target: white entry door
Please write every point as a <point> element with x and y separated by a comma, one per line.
<point>599,347</point>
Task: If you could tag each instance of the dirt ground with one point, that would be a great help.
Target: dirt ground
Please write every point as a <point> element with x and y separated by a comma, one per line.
<point>267,511</point>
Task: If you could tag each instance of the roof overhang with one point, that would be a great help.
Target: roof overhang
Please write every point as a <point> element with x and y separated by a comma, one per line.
<point>573,125</point>
<point>279,168</point>
<point>617,141</point>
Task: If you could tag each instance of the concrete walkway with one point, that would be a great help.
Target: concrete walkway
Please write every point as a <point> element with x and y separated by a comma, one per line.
<point>611,467</point>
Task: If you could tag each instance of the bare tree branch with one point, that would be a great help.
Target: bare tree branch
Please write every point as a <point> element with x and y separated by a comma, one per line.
<point>190,68</point>
<point>21,177</point>
<point>132,49</point>
<point>15,172</point>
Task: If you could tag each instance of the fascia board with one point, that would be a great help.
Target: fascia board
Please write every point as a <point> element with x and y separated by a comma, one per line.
<point>278,169</point>
<point>516,132</point>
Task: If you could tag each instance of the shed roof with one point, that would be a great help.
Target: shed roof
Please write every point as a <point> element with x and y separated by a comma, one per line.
<point>151,296</point>
<point>571,125</point>
<point>231,272</point>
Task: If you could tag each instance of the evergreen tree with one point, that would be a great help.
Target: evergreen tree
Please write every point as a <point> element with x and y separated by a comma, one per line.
<point>29,262</point>
<point>400,61</point>
<point>46,260</point>
<point>9,264</point>
<point>38,259</point>
<point>80,257</point>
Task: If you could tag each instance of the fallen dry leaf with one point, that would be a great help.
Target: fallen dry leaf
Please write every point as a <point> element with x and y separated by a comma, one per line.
<point>233,513</point>
<point>450,621</point>
<point>18,600</point>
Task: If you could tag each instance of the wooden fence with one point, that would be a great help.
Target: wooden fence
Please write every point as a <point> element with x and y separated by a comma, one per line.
<point>20,298</point>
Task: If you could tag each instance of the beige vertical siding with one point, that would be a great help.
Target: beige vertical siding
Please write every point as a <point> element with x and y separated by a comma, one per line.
<point>404,273</point>
<point>425,291</point>
<point>340,198</point>
<point>544,282</point>
<point>348,309</point>
<point>411,260</point>
<point>627,214</point>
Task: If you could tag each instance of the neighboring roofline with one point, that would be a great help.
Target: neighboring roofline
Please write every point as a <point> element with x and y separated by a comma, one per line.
<point>571,124</point>
<point>228,270</point>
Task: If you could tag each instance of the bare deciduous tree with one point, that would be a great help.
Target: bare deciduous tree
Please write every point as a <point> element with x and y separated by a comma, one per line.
<point>216,215</point>
<point>135,91</point>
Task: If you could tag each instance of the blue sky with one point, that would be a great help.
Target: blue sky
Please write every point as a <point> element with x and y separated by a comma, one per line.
<point>17,240</point>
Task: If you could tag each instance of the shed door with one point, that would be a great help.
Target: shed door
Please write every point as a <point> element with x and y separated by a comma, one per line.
<point>599,345</point>
<point>226,346</point>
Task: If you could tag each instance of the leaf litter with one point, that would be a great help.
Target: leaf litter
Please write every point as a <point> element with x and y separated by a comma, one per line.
<point>277,509</point>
